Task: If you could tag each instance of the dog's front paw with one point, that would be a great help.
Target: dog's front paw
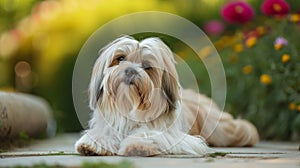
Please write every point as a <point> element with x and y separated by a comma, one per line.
<point>88,146</point>
<point>138,147</point>
<point>140,150</point>
<point>86,150</point>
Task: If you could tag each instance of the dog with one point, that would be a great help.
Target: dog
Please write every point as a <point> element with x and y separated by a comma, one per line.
<point>140,109</point>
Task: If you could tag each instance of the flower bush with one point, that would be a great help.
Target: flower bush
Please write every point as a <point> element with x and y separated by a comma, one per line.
<point>262,66</point>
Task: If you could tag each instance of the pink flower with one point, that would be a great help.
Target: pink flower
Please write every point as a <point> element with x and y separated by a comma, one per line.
<point>213,27</point>
<point>279,43</point>
<point>237,12</point>
<point>275,7</point>
<point>281,40</point>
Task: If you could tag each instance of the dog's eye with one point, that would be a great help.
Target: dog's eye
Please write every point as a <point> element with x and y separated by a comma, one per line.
<point>147,66</point>
<point>121,58</point>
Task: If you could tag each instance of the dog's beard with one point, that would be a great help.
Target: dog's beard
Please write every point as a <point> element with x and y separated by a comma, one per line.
<point>149,95</point>
<point>134,97</point>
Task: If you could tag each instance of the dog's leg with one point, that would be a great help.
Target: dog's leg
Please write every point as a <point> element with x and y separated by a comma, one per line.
<point>217,127</point>
<point>140,144</point>
<point>177,142</point>
<point>94,143</point>
<point>190,145</point>
<point>233,132</point>
<point>152,143</point>
<point>221,129</point>
<point>100,139</point>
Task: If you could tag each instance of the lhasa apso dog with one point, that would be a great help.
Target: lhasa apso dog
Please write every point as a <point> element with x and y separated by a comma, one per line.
<point>139,108</point>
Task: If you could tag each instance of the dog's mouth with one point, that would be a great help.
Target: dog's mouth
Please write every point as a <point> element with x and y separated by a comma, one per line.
<point>135,85</point>
<point>130,80</point>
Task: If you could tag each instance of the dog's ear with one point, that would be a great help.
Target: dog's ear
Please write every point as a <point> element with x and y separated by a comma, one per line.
<point>170,89</point>
<point>95,83</point>
<point>105,58</point>
<point>170,83</point>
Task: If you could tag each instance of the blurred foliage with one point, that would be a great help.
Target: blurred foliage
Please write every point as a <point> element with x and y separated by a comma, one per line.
<point>39,42</point>
<point>50,37</point>
<point>11,11</point>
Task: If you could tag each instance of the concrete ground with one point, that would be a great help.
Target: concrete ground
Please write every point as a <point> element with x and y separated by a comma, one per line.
<point>60,151</point>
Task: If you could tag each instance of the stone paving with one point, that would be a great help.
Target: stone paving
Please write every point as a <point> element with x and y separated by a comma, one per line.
<point>60,151</point>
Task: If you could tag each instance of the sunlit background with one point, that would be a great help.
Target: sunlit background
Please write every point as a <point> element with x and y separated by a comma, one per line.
<point>258,42</point>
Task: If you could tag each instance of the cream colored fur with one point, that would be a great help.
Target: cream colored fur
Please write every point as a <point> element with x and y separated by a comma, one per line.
<point>140,109</point>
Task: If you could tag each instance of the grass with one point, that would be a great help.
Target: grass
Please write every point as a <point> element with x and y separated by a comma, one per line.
<point>58,153</point>
<point>40,165</point>
<point>122,164</point>
<point>101,164</point>
<point>2,150</point>
<point>209,160</point>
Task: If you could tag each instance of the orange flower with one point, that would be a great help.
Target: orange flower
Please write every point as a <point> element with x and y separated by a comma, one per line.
<point>265,79</point>
<point>247,69</point>
<point>251,41</point>
<point>285,58</point>
<point>278,46</point>
<point>205,52</point>
<point>238,48</point>
<point>294,18</point>
<point>260,30</point>
<point>298,107</point>
<point>292,106</point>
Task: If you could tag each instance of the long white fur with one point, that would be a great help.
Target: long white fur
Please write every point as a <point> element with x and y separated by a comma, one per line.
<point>148,118</point>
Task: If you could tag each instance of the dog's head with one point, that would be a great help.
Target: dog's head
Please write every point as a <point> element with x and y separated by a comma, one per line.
<point>136,79</point>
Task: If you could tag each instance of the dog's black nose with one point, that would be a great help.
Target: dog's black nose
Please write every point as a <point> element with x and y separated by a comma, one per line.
<point>130,72</point>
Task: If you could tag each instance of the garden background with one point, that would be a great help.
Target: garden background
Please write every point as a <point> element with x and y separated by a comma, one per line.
<point>258,41</point>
